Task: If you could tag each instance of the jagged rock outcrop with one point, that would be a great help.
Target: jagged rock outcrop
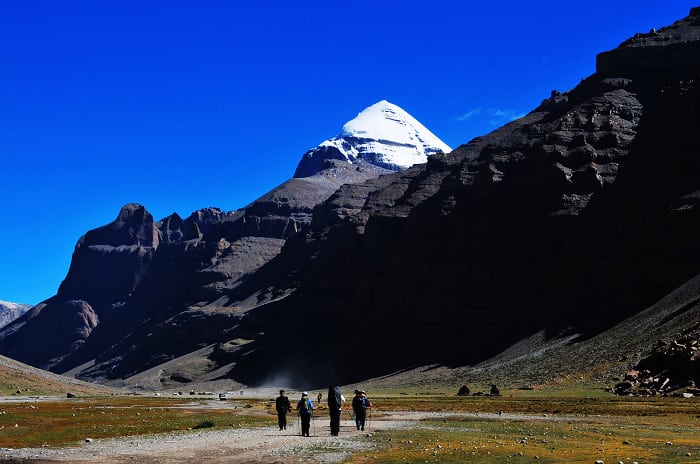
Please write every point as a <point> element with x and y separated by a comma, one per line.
<point>672,366</point>
<point>108,262</point>
<point>108,266</point>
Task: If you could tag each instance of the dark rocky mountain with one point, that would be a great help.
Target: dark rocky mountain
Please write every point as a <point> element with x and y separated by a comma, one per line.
<point>561,228</point>
<point>149,290</point>
<point>565,222</point>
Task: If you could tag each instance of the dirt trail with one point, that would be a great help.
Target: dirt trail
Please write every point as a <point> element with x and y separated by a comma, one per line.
<point>247,445</point>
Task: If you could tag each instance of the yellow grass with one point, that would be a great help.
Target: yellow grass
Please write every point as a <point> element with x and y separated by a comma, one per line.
<point>541,430</point>
<point>536,429</point>
<point>57,423</point>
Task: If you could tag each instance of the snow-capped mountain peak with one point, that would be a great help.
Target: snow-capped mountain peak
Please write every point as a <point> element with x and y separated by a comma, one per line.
<point>11,311</point>
<point>382,134</point>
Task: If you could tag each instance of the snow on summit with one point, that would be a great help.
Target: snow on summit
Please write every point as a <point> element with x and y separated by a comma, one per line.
<point>382,134</point>
<point>384,121</point>
<point>11,311</point>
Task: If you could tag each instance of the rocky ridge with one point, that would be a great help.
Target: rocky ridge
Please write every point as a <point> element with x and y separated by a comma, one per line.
<point>563,223</point>
<point>140,292</point>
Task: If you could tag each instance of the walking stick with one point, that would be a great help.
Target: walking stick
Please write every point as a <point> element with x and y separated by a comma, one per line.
<point>299,422</point>
<point>313,417</point>
<point>369,424</point>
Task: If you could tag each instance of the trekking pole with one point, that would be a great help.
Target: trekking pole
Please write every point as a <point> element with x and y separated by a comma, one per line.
<point>299,423</point>
<point>369,424</point>
<point>313,417</point>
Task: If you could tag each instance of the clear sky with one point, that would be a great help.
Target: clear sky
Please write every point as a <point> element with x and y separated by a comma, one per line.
<point>181,105</point>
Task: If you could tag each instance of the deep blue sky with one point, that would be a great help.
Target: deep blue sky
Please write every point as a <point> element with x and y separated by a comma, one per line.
<point>180,105</point>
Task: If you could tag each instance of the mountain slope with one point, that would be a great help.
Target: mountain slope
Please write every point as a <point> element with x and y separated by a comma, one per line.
<point>141,291</point>
<point>563,223</point>
<point>19,378</point>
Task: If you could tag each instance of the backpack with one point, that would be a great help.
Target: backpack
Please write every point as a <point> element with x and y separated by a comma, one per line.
<point>359,403</point>
<point>304,406</point>
<point>334,398</point>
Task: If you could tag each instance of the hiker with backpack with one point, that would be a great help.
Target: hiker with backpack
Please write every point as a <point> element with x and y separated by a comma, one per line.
<point>360,403</point>
<point>283,407</point>
<point>335,404</point>
<point>305,408</point>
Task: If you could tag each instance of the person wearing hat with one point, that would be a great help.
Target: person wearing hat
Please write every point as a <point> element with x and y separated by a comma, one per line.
<point>305,408</point>
<point>360,403</point>
<point>283,407</point>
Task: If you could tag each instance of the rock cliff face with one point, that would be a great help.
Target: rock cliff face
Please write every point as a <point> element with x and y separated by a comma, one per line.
<point>140,292</point>
<point>106,274</point>
<point>565,222</point>
<point>562,223</point>
<point>109,262</point>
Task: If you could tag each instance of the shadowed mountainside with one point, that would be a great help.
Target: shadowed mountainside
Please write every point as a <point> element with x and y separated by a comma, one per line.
<point>565,222</point>
<point>561,225</point>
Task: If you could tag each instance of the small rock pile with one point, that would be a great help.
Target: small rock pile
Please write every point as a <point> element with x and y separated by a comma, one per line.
<point>464,391</point>
<point>673,368</point>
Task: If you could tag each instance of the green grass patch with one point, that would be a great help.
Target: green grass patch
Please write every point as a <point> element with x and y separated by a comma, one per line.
<point>491,441</point>
<point>610,405</point>
<point>574,430</point>
<point>67,422</point>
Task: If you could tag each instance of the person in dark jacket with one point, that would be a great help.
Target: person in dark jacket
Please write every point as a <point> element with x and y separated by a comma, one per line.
<point>335,404</point>
<point>305,408</point>
<point>283,407</point>
<point>360,403</point>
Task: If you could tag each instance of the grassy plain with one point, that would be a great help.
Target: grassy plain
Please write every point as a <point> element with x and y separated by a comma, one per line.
<point>67,422</point>
<point>518,427</point>
<point>543,429</point>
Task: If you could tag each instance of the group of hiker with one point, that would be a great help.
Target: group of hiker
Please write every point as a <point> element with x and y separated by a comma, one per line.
<point>305,408</point>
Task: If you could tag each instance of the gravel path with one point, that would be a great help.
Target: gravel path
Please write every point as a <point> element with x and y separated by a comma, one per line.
<point>247,445</point>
